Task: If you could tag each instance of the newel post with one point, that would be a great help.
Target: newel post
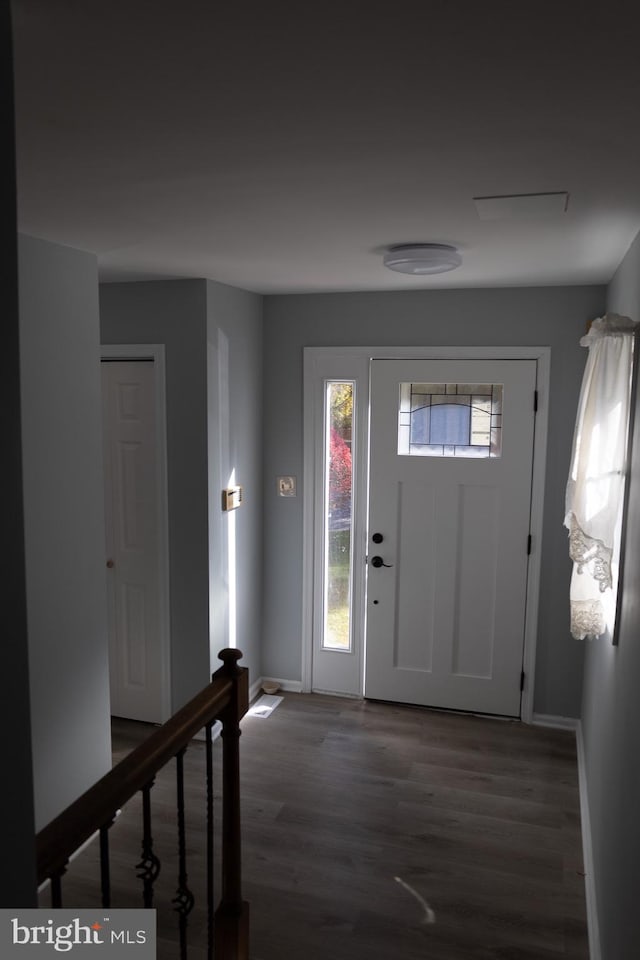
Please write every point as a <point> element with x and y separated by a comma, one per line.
<point>232,915</point>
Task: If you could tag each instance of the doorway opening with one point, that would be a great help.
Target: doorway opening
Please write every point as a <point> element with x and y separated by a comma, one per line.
<point>447,470</point>
<point>136,518</point>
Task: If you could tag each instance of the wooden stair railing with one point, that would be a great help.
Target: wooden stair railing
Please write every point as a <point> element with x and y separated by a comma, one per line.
<point>225,699</point>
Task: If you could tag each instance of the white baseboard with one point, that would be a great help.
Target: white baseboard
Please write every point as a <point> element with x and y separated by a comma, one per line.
<point>216,730</point>
<point>587,852</point>
<point>569,723</point>
<point>558,723</point>
<point>255,688</point>
<point>76,853</point>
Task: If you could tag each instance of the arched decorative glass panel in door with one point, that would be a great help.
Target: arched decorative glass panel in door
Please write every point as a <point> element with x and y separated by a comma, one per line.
<point>450,420</point>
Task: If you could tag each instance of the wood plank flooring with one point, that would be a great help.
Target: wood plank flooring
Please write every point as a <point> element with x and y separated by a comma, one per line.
<point>479,817</point>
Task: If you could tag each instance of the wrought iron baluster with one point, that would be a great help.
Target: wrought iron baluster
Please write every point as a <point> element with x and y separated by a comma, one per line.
<point>149,866</point>
<point>183,899</point>
<point>105,871</point>
<point>56,888</point>
<point>210,850</point>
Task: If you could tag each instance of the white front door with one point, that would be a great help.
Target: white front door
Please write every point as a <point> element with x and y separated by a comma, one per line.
<point>451,451</point>
<point>132,537</point>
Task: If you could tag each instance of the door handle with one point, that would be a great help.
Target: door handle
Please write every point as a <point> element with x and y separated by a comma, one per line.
<point>379,562</point>
<point>110,564</point>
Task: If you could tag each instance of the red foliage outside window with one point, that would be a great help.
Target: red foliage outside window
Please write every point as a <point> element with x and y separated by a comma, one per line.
<point>339,477</point>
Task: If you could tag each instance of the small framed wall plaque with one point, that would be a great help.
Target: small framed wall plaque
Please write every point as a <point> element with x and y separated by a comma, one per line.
<point>286,486</point>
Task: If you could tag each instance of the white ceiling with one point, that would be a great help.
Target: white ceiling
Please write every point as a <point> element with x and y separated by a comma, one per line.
<point>281,147</point>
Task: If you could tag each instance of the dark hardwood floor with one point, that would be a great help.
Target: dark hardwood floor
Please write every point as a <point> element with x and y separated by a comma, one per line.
<point>478,817</point>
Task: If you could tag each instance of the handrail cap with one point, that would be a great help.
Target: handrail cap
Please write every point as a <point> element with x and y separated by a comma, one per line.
<point>230,657</point>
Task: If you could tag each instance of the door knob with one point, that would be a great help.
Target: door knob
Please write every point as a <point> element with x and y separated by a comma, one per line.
<point>379,562</point>
<point>110,564</point>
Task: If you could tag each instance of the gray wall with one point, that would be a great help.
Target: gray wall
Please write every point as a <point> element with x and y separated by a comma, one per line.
<point>64,522</point>
<point>551,316</point>
<point>234,317</point>
<point>186,315</point>
<point>611,710</point>
<point>173,312</point>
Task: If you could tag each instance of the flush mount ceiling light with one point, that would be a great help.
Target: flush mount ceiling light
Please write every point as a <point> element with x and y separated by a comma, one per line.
<point>420,259</point>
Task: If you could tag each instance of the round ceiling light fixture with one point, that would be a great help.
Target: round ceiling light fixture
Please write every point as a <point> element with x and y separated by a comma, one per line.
<point>420,259</point>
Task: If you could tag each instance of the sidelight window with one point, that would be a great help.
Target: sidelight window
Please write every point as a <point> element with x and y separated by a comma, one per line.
<point>338,515</point>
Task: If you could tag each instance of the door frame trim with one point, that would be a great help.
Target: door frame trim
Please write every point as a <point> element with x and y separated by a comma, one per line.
<point>319,370</point>
<point>320,358</point>
<point>156,353</point>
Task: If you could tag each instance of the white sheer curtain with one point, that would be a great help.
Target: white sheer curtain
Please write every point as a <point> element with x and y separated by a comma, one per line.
<point>595,488</point>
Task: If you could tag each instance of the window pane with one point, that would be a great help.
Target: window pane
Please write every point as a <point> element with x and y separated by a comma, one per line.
<point>450,424</point>
<point>338,501</point>
<point>450,420</point>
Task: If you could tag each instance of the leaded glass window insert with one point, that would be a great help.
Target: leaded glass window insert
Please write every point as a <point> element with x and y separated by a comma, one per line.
<point>450,420</point>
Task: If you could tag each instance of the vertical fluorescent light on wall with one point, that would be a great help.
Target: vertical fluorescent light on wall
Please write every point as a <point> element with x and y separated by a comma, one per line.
<point>227,549</point>
<point>339,406</point>
<point>232,578</point>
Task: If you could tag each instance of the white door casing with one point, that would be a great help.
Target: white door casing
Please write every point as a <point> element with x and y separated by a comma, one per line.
<point>322,363</point>
<point>136,533</point>
<point>335,671</point>
<point>446,618</point>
